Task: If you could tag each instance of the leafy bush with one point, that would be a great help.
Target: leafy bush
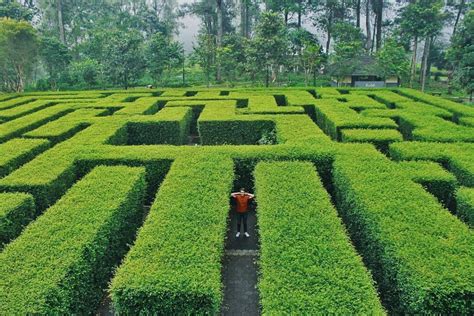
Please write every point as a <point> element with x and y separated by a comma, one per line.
<point>77,243</point>
<point>420,255</point>
<point>434,178</point>
<point>171,126</point>
<point>381,138</point>
<point>175,265</point>
<point>465,205</point>
<point>16,210</point>
<point>307,262</point>
<point>17,151</point>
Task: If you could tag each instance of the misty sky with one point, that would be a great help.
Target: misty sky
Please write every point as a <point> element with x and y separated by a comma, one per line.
<point>188,32</point>
<point>190,26</point>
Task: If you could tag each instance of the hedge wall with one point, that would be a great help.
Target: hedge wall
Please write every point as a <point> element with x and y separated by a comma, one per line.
<point>16,210</point>
<point>16,152</point>
<point>175,265</point>
<point>307,263</point>
<point>434,178</point>
<point>381,138</point>
<point>77,243</point>
<point>465,205</point>
<point>233,132</point>
<point>421,256</point>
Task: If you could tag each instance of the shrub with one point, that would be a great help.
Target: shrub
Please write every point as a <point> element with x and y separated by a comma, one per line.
<point>77,242</point>
<point>332,116</point>
<point>66,126</point>
<point>465,205</point>
<point>381,138</point>
<point>24,124</point>
<point>170,126</point>
<point>420,255</point>
<point>175,265</point>
<point>434,178</point>
<point>456,108</point>
<point>456,157</point>
<point>46,177</point>
<point>16,210</point>
<point>16,152</point>
<point>25,109</point>
<point>307,263</point>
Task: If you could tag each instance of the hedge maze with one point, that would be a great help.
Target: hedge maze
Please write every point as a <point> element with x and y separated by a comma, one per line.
<point>365,200</point>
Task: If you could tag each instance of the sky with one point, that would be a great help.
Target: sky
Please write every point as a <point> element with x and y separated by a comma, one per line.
<point>189,29</point>
<point>190,26</point>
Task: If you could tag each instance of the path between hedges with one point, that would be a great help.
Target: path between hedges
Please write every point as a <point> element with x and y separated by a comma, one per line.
<point>239,273</point>
<point>240,270</point>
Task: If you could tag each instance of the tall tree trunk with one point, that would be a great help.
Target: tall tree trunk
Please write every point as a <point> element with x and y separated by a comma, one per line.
<point>374,31</point>
<point>378,40</point>
<point>329,27</point>
<point>286,16</point>
<point>220,30</point>
<point>368,44</point>
<point>458,16</point>
<point>59,8</point>
<point>248,16</point>
<point>426,54</point>
<point>300,12</point>
<point>413,61</point>
<point>243,18</point>
<point>358,13</point>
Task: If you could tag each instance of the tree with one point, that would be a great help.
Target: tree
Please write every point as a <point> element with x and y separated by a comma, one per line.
<point>378,6</point>
<point>232,57</point>
<point>83,74</point>
<point>421,19</point>
<point>18,53</point>
<point>55,57</point>
<point>329,13</point>
<point>123,60</point>
<point>392,60</point>
<point>13,10</point>
<point>161,53</point>
<point>220,33</point>
<point>205,53</point>
<point>461,54</point>
<point>269,47</point>
<point>349,47</point>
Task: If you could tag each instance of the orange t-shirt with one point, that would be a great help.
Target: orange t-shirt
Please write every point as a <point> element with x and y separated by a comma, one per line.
<point>242,202</point>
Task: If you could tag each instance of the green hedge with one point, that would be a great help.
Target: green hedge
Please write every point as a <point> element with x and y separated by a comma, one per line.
<point>17,151</point>
<point>307,263</point>
<point>456,157</point>
<point>66,126</point>
<point>465,205</point>
<point>27,123</point>
<point>434,178</point>
<point>25,109</point>
<point>16,101</point>
<point>16,210</point>
<point>170,126</point>
<point>46,177</point>
<point>174,268</point>
<point>332,115</point>
<point>458,109</point>
<point>233,131</point>
<point>420,255</point>
<point>76,243</point>
<point>381,138</point>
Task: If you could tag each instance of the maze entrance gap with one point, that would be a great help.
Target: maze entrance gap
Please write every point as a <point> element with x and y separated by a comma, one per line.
<point>239,270</point>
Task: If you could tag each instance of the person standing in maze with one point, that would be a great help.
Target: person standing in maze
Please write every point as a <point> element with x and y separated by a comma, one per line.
<point>242,200</point>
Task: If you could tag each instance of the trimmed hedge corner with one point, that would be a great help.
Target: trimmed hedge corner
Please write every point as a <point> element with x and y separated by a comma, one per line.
<point>307,263</point>
<point>77,243</point>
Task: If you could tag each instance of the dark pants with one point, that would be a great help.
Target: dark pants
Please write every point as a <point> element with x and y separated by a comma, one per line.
<point>242,217</point>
